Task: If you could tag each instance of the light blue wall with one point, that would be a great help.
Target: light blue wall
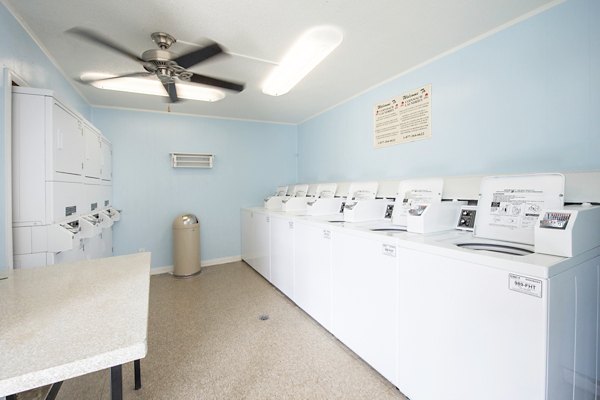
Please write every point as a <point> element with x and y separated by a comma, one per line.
<point>524,99</point>
<point>251,159</point>
<point>23,56</point>
<point>20,54</point>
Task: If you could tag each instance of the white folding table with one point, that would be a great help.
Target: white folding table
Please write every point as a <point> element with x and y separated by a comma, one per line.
<point>66,320</point>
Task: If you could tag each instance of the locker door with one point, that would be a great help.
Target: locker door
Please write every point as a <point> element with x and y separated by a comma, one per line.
<point>68,142</point>
<point>106,173</point>
<point>93,153</point>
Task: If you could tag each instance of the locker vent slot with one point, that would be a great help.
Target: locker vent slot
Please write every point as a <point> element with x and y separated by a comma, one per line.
<point>191,160</point>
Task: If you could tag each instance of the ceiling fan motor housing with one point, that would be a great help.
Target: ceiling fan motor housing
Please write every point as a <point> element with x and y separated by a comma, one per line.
<point>163,40</point>
<point>160,61</point>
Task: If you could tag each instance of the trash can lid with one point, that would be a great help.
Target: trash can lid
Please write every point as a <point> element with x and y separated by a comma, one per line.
<point>185,219</point>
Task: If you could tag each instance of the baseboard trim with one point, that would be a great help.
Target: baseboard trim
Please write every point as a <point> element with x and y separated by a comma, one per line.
<point>222,260</point>
<point>167,269</point>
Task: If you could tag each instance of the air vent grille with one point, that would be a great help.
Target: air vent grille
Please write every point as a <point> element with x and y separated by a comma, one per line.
<point>192,160</point>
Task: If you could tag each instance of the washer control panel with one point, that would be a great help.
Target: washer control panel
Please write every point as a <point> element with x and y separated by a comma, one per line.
<point>555,220</point>
<point>389,210</point>
<point>466,219</point>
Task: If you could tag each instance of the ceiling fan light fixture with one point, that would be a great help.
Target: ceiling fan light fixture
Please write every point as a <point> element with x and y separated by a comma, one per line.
<point>151,86</point>
<point>306,53</point>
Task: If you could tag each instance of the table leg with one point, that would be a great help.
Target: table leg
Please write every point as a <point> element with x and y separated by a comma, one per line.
<point>50,396</point>
<point>137,369</point>
<point>116,382</point>
<point>54,391</point>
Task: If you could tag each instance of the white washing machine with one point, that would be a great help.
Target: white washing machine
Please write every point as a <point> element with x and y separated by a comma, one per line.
<point>256,240</point>
<point>282,247</point>
<point>364,307</point>
<point>312,268</point>
<point>493,319</point>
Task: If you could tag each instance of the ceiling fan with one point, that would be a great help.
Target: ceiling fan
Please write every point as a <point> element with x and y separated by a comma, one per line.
<point>167,66</point>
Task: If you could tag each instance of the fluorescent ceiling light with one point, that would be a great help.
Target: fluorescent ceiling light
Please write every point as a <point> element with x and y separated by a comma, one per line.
<point>152,86</point>
<point>312,47</point>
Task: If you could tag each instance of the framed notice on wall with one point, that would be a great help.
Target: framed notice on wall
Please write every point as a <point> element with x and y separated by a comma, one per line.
<point>403,119</point>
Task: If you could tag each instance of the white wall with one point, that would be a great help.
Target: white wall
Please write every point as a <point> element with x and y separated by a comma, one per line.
<point>525,99</point>
<point>251,159</point>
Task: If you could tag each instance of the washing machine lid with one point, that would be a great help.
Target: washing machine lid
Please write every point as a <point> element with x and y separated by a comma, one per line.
<point>281,191</point>
<point>325,190</point>
<point>509,206</point>
<point>300,190</point>
<point>421,191</point>
<point>363,190</point>
<point>416,191</point>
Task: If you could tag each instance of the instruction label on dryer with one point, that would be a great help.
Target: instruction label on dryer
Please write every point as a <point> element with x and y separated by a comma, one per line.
<point>524,284</point>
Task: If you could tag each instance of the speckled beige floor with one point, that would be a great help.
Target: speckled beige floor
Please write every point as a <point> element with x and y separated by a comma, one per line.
<point>205,341</point>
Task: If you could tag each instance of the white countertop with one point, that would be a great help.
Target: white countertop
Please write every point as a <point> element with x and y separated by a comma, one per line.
<point>66,320</point>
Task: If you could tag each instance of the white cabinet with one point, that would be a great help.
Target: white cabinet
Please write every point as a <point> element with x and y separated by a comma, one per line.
<point>47,156</point>
<point>67,139</point>
<point>93,154</point>
<point>364,297</point>
<point>106,167</point>
<point>28,155</point>
<point>282,253</point>
<point>312,270</point>
<point>98,156</point>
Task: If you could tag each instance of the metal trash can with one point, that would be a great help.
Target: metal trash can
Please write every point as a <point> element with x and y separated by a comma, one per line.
<point>186,245</point>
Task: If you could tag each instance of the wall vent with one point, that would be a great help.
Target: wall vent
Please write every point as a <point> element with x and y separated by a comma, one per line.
<point>191,160</point>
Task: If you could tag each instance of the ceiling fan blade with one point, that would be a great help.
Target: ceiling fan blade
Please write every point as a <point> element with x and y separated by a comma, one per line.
<point>97,38</point>
<point>132,75</point>
<point>197,56</point>
<point>207,80</point>
<point>172,91</point>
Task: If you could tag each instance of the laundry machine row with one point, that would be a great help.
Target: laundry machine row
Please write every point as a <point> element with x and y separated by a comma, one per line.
<point>440,320</point>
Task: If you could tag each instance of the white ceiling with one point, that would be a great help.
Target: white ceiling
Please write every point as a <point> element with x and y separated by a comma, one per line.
<point>382,39</point>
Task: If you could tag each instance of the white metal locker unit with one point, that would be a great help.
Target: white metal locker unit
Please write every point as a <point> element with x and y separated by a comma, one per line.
<point>58,179</point>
